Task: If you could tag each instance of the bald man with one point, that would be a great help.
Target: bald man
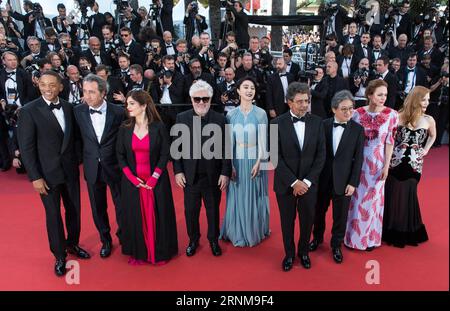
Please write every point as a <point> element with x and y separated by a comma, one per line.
<point>73,91</point>
<point>401,51</point>
<point>335,84</point>
<point>94,53</point>
<point>168,47</point>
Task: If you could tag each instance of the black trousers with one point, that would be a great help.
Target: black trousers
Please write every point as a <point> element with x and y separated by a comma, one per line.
<point>193,195</point>
<point>99,205</point>
<point>340,213</point>
<point>289,205</point>
<point>70,195</point>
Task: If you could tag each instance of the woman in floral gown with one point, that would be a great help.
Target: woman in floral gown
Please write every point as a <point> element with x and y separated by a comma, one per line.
<point>365,216</point>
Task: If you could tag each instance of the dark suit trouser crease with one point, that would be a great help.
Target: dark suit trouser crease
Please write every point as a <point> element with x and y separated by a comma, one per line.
<point>70,194</point>
<point>340,212</point>
<point>193,195</point>
<point>99,205</point>
<point>289,205</point>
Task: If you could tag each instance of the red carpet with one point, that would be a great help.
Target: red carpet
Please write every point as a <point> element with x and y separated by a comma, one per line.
<point>27,264</point>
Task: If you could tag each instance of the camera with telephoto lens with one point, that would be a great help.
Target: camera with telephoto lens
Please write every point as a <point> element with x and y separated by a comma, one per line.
<point>361,73</point>
<point>121,5</point>
<point>165,73</point>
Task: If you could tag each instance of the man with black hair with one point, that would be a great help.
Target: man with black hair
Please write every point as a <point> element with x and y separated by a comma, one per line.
<point>240,23</point>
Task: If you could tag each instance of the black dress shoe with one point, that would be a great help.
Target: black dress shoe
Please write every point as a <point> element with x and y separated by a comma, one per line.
<point>105,251</point>
<point>60,267</point>
<point>305,261</point>
<point>337,255</point>
<point>192,247</point>
<point>287,263</point>
<point>78,251</point>
<point>314,244</point>
<point>215,248</point>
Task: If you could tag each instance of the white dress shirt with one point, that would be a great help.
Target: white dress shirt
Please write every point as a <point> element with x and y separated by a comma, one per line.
<point>98,120</point>
<point>346,67</point>
<point>59,114</point>
<point>11,85</point>
<point>165,99</point>
<point>169,49</point>
<point>300,131</point>
<point>337,135</point>
<point>410,81</point>
<point>97,57</point>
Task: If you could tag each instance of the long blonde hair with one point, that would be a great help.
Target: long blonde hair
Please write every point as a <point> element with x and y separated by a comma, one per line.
<point>412,107</point>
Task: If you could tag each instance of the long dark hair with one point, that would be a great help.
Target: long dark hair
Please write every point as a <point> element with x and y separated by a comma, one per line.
<point>143,98</point>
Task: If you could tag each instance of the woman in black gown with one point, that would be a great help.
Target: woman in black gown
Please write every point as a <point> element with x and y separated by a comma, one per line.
<point>402,222</point>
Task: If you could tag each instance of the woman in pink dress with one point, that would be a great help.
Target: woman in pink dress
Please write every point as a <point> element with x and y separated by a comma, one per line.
<point>149,233</point>
<point>365,216</point>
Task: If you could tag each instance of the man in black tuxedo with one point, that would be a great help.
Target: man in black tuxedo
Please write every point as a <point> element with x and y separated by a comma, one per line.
<point>292,67</point>
<point>95,54</point>
<point>401,51</point>
<point>195,23</point>
<point>196,74</point>
<point>95,22</point>
<point>352,37</point>
<point>377,50</point>
<point>115,86</point>
<point>277,85</point>
<point>28,29</point>
<point>411,75</point>
<point>240,23</point>
<point>99,122</point>
<point>50,149</point>
<point>201,178</point>
<point>340,175</point>
<point>382,69</point>
<point>362,49</point>
<point>437,58</point>
<point>403,19</point>
<point>133,49</point>
<point>301,156</point>
<point>335,84</point>
<point>164,19</point>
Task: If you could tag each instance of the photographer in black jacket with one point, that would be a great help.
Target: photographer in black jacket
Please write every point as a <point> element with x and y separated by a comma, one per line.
<point>240,23</point>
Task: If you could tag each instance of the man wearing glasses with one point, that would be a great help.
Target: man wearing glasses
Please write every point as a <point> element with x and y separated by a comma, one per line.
<point>131,47</point>
<point>340,175</point>
<point>201,177</point>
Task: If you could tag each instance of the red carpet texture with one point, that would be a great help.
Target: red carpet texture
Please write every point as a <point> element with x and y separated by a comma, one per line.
<point>27,264</point>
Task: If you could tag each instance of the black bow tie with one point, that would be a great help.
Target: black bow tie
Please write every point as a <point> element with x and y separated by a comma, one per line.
<point>410,70</point>
<point>11,73</point>
<point>376,51</point>
<point>335,124</point>
<point>55,106</point>
<point>365,47</point>
<point>295,119</point>
<point>92,111</point>
<point>168,46</point>
<point>283,75</point>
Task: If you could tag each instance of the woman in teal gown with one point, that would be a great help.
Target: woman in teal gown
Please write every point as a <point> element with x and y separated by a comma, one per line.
<point>246,221</point>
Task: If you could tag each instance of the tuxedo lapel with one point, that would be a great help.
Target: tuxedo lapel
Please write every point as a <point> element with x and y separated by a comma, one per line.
<point>344,138</point>
<point>87,120</point>
<point>108,122</point>
<point>291,130</point>
<point>68,129</point>
<point>307,131</point>
<point>48,115</point>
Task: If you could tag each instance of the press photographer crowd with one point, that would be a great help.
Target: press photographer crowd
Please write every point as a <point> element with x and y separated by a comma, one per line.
<point>386,71</point>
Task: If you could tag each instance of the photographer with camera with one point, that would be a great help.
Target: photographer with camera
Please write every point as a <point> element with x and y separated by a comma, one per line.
<point>359,81</point>
<point>207,52</point>
<point>7,46</point>
<point>162,14</point>
<point>73,90</point>
<point>62,22</point>
<point>437,58</point>
<point>39,22</point>
<point>182,56</point>
<point>96,21</point>
<point>24,18</point>
<point>227,91</point>
<point>153,52</point>
<point>402,18</point>
<point>34,53</point>
<point>70,54</point>
<point>131,47</point>
<point>11,29</point>
<point>229,45</point>
<point>195,23</point>
<point>319,90</point>
<point>219,68</point>
<point>240,23</point>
